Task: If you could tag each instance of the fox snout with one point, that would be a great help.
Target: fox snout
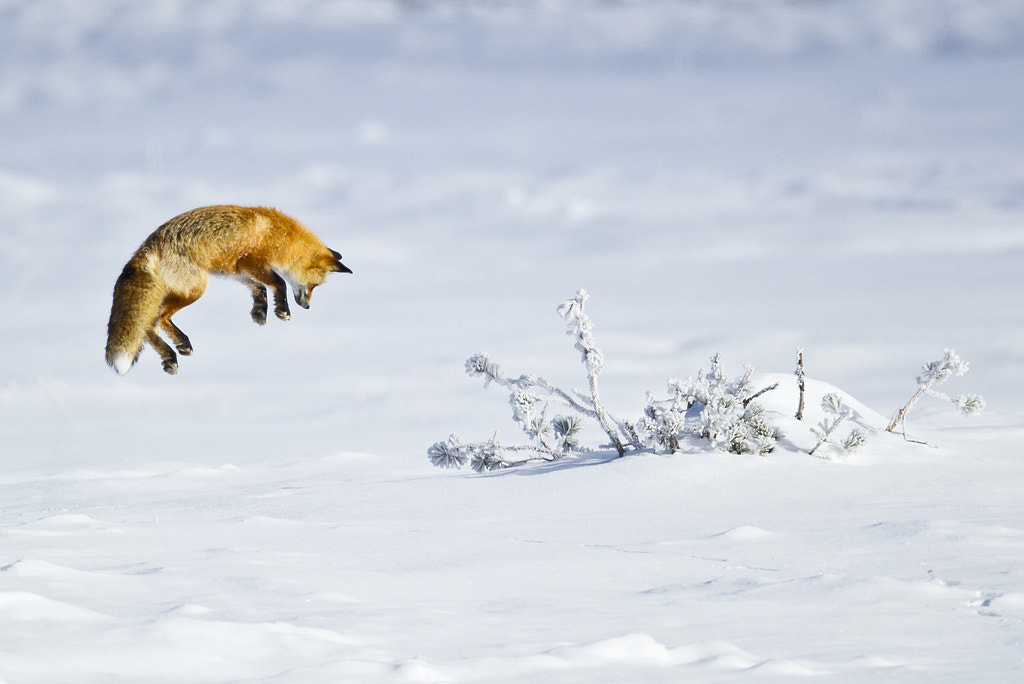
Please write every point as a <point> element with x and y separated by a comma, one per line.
<point>303,292</point>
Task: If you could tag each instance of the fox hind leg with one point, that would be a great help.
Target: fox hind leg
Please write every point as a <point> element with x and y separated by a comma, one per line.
<point>179,338</point>
<point>171,306</point>
<point>167,355</point>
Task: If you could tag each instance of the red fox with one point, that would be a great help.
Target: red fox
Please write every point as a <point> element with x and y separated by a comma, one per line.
<point>258,245</point>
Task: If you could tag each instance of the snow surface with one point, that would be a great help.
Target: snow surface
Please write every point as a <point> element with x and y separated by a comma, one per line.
<point>731,177</point>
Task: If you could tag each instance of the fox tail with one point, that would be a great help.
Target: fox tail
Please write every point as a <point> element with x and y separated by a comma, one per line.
<point>137,300</point>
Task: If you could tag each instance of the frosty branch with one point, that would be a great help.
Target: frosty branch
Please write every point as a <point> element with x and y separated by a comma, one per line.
<point>801,382</point>
<point>580,327</point>
<point>484,456</point>
<point>532,399</point>
<point>835,413</point>
<point>934,373</point>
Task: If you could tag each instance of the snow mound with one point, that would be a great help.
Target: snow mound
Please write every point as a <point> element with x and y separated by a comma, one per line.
<point>24,605</point>
<point>643,649</point>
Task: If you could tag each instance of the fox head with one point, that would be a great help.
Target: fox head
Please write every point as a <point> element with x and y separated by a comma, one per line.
<point>314,272</point>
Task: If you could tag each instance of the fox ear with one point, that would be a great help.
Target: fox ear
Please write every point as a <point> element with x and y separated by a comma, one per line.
<point>337,265</point>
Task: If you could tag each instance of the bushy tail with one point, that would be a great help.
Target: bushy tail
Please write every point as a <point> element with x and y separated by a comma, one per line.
<point>137,300</point>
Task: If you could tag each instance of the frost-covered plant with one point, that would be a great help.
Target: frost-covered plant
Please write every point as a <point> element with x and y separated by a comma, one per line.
<point>835,413</point>
<point>531,398</point>
<point>712,407</point>
<point>481,456</point>
<point>580,327</point>
<point>567,429</point>
<point>450,453</point>
<point>801,382</point>
<point>934,373</point>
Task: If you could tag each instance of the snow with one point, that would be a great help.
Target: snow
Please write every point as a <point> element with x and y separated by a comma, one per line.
<point>742,178</point>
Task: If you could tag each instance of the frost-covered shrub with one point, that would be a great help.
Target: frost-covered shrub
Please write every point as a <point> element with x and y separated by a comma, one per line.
<point>934,373</point>
<point>835,413</point>
<point>711,407</point>
<point>532,399</point>
<point>711,410</point>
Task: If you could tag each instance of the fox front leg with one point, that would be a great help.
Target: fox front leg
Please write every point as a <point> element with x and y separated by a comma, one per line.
<point>281,309</point>
<point>260,275</point>
<point>259,299</point>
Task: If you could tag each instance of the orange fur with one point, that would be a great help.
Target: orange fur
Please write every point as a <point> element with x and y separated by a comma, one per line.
<point>258,245</point>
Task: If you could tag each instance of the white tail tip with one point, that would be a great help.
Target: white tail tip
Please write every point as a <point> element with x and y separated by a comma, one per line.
<point>123,363</point>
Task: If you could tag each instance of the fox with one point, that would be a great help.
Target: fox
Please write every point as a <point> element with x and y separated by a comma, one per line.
<point>260,246</point>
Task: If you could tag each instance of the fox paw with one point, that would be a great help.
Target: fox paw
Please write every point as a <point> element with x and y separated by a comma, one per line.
<point>283,314</point>
<point>171,367</point>
<point>259,316</point>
